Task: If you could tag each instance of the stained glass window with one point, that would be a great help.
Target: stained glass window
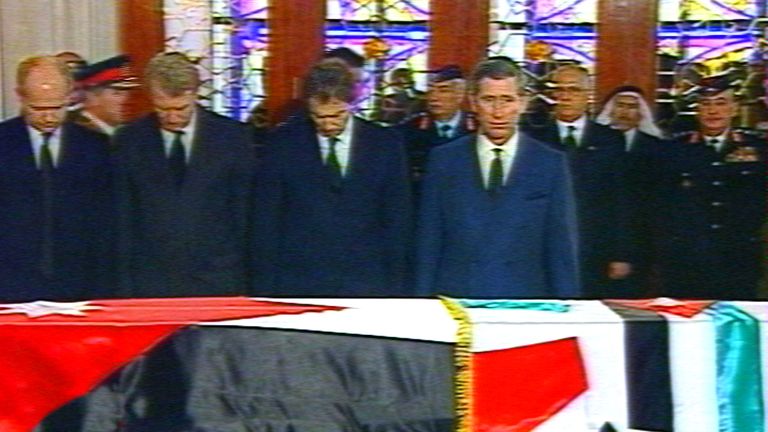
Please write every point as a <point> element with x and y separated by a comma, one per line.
<point>697,38</point>
<point>568,26</point>
<point>401,24</point>
<point>228,40</point>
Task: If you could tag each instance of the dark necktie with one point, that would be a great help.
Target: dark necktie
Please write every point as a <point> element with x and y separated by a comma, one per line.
<point>46,158</point>
<point>496,172</point>
<point>570,138</point>
<point>445,131</point>
<point>46,171</point>
<point>332,161</point>
<point>714,143</point>
<point>177,160</point>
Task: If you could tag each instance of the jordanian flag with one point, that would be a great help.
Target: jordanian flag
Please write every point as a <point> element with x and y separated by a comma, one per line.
<point>656,365</point>
<point>385,365</point>
<point>294,365</point>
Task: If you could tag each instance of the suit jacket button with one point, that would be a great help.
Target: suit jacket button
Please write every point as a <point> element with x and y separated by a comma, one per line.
<point>715,226</point>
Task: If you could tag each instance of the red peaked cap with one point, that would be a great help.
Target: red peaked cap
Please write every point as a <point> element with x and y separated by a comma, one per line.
<point>113,72</point>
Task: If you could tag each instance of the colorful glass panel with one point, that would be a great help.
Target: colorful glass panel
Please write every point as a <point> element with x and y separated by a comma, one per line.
<point>697,38</point>
<point>228,41</point>
<point>401,24</point>
<point>568,26</point>
<point>240,35</point>
<point>377,10</point>
<point>708,10</point>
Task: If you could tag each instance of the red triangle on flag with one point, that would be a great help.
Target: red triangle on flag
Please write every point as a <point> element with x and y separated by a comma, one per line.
<point>518,389</point>
<point>51,360</point>
<point>682,308</point>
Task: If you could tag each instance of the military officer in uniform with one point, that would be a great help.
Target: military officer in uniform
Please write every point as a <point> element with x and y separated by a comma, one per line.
<point>444,120</point>
<point>106,86</point>
<point>710,202</point>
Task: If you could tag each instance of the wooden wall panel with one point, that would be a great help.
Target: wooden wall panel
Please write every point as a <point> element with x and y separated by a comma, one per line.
<point>626,52</point>
<point>459,33</point>
<point>142,35</point>
<point>296,41</point>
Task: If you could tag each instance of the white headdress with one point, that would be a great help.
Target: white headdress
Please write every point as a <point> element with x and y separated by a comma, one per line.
<point>646,124</point>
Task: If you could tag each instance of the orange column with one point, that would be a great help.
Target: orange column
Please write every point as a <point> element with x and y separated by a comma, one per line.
<point>296,41</point>
<point>626,46</point>
<point>142,35</point>
<point>459,33</point>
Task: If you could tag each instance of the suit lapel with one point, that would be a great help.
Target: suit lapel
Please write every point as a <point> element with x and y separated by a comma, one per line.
<point>203,157</point>
<point>153,155</point>
<point>68,150</point>
<point>23,152</point>
<point>357,157</point>
<point>477,173</point>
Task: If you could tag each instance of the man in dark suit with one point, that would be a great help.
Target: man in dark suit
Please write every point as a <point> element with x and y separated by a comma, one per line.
<point>444,120</point>
<point>106,86</point>
<point>626,110</point>
<point>333,205</point>
<point>596,157</point>
<point>497,216</point>
<point>710,203</point>
<point>55,195</point>
<point>184,186</point>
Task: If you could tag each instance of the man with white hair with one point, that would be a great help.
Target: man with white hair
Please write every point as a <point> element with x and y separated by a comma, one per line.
<point>596,158</point>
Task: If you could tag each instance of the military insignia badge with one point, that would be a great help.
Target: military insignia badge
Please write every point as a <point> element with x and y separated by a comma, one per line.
<point>743,154</point>
<point>685,181</point>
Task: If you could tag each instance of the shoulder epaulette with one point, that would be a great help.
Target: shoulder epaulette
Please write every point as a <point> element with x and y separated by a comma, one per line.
<point>687,136</point>
<point>748,133</point>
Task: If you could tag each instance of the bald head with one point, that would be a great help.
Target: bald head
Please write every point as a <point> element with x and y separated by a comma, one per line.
<point>43,85</point>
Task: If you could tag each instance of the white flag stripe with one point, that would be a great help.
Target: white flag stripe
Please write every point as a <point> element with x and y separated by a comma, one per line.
<point>759,310</point>
<point>693,364</point>
<point>418,319</point>
<point>572,418</point>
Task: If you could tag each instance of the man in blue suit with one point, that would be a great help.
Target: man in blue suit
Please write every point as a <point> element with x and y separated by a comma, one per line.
<point>184,185</point>
<point>333,208</point>
<point>497,216</point>
<point>55,195</point>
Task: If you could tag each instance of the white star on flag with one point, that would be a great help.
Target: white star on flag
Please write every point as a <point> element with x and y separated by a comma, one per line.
<point>42,308</point>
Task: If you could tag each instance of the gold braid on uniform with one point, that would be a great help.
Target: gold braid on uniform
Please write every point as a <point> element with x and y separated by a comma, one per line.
<point>463,361</point>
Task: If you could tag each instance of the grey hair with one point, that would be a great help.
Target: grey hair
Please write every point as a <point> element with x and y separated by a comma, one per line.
<point>496,68</point>
<point>172,73</point>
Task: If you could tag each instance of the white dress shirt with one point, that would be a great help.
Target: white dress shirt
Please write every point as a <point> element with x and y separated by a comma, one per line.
<point>54,144</point>
<point>578,130</point>
<point>721,140</point>
<point>486,154</point>
<point>453,122</point>
<point>343,146</point>
<point>187,138</point>
<point>629,138</point>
